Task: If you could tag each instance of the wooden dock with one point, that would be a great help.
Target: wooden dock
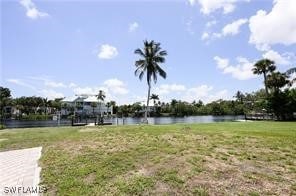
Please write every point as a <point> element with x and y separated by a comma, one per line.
<point>259,116</point>
<point>79,124</point>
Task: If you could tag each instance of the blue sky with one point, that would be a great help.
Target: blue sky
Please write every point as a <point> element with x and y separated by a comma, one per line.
<point>63,48</point>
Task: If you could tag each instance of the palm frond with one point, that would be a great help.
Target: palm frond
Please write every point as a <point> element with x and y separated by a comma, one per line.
<point>154,74</point>
<point>161,72</point>
<point>140,62</point>
<point>291,71</point>
<point>163,53</point>
<point>159,59</point>
<point>140,52</point>
<point>141,75</point>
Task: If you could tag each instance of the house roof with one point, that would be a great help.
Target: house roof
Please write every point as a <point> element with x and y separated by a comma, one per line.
<point>69,99</point>
<point>81,98</point>
<point>91,99</point>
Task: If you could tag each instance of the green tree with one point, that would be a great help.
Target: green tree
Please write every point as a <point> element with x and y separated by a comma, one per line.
<point>114,107</point>
<point>239,96</point>
<point>5,96</point>
<point>101,97</point>
<point>154,97</point>
<point>173,106</point>
<point>290,72</point>
<point>264,66</point>
<point>46,103</point>
<point>93,105</point>
<point>276,80</point>
<point>278,100</point>
<point>56,104</point>
<point>108,104</point>
<point>150,58</point>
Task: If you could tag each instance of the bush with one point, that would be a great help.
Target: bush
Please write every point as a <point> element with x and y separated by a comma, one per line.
<point>37,117</point>
<point>2,126</point>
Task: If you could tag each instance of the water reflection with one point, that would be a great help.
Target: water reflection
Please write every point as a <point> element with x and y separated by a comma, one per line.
<point>127,121</point>
<point>174,120</point>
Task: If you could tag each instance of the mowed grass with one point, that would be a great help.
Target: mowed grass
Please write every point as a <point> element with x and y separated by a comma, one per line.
<point>234,158</point>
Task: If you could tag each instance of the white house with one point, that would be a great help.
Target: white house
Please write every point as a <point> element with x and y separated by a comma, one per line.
<point>86,104</point>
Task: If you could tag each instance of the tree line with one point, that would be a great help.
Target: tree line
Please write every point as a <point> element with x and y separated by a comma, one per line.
<point>277,98</point>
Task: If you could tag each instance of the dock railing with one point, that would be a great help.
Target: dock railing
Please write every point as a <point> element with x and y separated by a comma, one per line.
<point>260,116</point>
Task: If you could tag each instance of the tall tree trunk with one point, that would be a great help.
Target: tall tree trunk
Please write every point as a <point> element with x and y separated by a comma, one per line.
<point>147,105</point>
<point>100,109</point>
<point>266,90</point>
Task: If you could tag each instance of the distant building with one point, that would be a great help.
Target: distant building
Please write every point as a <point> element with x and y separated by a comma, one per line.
<point>151,107</point>
<point>85,104</point>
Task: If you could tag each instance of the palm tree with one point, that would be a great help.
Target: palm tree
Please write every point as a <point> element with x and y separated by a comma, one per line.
<point>101,96</point>
<point>108,104</point>
<point>289,73</point>
<point>46,103</point>
<point>239,96</point>
<point>264,66</point>
<point>114,107</point>
<point>276,80</point>
<point>151,56</point>
<point>93,105</point>
<point>154,97</point>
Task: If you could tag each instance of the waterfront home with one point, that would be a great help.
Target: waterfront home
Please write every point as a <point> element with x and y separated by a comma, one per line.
<point>85,104</point>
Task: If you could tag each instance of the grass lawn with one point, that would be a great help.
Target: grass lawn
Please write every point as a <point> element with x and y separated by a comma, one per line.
<point>247,158</point>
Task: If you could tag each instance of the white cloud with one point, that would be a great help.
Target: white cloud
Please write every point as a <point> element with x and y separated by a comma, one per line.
<point>48,82</point>
<point>228,30</point>
<point>189,28</point>
<point>51,94</point>
<point>133,27</point>
<point>201,91</point>
<point>291,77</point>
<point>191,2</point>
<point>169,88</point>
<point>54,84</point>
<point>204,93</point>
<point>276,27</point>
<point>211,23</point>
<point>84,90</point>
<point>107,52</point>
<point>233,28</point>
<point>113,89</point>
<point>72,85</point>
<point>276,57</point>
<point>113,82</point>
<point>241,71</point>
<point>205,36</point>
<point>116,86</point>
<point>20,83</point>
<point>31,10</point>
<point>221,62</point>
<point>209,6</point>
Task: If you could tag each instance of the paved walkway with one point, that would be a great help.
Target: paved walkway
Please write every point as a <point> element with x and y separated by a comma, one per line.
<point>19,168</point>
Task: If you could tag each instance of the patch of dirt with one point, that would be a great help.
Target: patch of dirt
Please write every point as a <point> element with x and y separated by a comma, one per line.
<point>186,128</point>
<point>3,139</point>
<point>170,138</point>
<point>161,188</point>
<point>92,129</point>
<point>141,171</point>
<point>90,178</point>
<point>194,137</point>
<point>222,177</point>
<point>107,144</point>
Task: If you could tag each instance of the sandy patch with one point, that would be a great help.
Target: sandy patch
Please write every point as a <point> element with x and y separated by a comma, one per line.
<point>92,129</point>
